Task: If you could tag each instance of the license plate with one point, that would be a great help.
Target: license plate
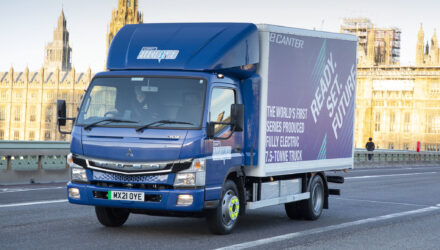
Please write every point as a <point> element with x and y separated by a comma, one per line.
<point>126,196</point>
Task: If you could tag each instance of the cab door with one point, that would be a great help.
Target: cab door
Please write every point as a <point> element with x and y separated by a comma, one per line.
<point>226,150</point>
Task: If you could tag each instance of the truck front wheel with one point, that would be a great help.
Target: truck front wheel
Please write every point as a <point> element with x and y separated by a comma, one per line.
<point>112,217</point>
<point>223,219</point>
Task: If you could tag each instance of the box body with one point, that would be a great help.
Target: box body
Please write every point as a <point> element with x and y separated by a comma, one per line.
<point>306,102</point>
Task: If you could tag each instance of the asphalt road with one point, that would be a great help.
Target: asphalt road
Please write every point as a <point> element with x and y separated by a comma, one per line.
<point>382,208</point>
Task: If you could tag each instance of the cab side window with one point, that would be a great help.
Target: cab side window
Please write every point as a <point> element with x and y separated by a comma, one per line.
<point>220,106</point>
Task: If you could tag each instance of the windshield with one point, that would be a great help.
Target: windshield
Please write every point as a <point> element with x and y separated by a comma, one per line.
<point>138,101</point>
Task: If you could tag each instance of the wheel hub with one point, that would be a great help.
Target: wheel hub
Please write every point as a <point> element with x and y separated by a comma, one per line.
<point>234,208</point>
<point>230,208</point>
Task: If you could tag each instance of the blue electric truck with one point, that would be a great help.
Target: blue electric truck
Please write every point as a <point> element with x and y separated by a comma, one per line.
<point>212,119</point>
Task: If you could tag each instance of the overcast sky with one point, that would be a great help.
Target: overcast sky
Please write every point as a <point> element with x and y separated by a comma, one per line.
<point>27,26</point>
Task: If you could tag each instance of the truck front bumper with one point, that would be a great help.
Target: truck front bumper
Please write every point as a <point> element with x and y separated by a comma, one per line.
<point>167,201</point>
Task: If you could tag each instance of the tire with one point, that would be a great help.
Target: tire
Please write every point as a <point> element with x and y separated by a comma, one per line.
<point>224,218</point>
<point>294,210</point>
<point>112,217</point>
<point>312,208</point>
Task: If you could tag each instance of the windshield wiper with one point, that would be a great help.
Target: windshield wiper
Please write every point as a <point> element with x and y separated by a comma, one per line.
<point>107,120</point>
<point>142,127</point>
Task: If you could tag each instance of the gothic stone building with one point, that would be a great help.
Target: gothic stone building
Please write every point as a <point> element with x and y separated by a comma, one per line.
<point>28,99</point>
<point>399,105</point>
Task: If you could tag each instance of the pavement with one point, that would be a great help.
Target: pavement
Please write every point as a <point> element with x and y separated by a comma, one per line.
<point>379,208</point>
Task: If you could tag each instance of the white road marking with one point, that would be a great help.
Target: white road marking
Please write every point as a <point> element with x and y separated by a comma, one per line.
<point>13,190</point>
<point>386,175</point>
<point>326,229</point>
<point>31,203</point>
<point>392,168</point>
<point>383,202</point>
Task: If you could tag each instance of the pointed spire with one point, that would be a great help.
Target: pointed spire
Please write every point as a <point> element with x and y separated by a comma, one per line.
<point>11,74</point>
<point>435,49</point>
<point>26,74</point>
<point>42,75</point>
<point>58,53</point>
<point>427,48</point>
<point>61,20</point>
<point>420,34</point>
<point>420,47</point>
<point>434,41</point>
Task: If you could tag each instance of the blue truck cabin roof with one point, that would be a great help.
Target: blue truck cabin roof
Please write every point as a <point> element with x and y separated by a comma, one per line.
<point>212,47</point>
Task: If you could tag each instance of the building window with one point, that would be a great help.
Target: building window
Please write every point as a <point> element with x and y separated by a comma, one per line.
<point>33,115</point>
<point>47,135</point>
<point>390,145</point>
<point>2,113</point>
<point>432,123</point>
<point>406,124</point>
<point>48,117</point>
<point>31,135</point>
<point>4,94</point>
<point>436,124</point>
<point>17,114</point>
<point>377,123</point>
<point>406,146</point>
<point>2,135</point>
<point>49,96</point>
<point>392,121</point>
<point>16,135</point>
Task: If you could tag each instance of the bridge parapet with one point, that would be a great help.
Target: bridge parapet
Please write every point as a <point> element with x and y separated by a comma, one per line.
<point>45,161</point>
<point>33,161</point>
<point>33,155</point>
<point>383,157</point>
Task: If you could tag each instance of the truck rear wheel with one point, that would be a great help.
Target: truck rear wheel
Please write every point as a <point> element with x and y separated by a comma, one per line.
<point>223,219</point>
<point>112,217</point>
<point>294,210</point>
<point>312,208</point>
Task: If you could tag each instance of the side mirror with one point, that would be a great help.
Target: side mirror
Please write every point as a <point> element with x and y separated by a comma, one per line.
<point>237,122</point>
<point>61,112</point>
<point>210,130</point>
<point>61,116</point>
<point>237,117</point>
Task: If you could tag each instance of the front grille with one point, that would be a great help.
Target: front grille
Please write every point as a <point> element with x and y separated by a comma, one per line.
<point>132,186</point>
<point>148,197</point>
<point>133,168</point>
<point>111,177</point>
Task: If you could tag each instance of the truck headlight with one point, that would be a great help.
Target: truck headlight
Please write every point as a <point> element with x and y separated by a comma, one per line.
<point>194,176</point>
<point>185,179</point>
<point>78,174</point>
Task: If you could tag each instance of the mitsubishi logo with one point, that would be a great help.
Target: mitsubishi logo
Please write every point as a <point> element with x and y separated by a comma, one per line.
<point>129,153</point>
